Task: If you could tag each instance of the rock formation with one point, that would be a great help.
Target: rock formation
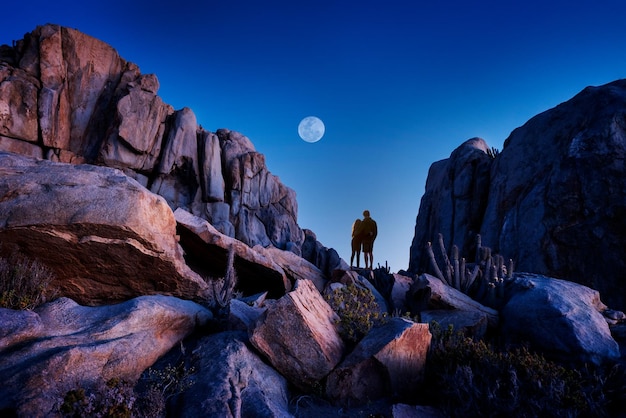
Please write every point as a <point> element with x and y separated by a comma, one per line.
<point>68,97</point>
<point>554,200</point>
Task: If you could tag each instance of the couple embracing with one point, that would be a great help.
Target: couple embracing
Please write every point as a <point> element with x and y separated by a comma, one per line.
<point>364,233</point>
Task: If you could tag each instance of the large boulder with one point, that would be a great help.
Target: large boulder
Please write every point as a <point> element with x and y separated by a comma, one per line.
<point>105,237</point>
<point>68,346</point>
<point>562,319</point>
<point>298,334</point>
<point>446,297</point>
<point>230,380</point>
<point>388,362</point>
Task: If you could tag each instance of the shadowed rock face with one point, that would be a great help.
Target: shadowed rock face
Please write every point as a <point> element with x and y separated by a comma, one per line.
<point>556,200</point>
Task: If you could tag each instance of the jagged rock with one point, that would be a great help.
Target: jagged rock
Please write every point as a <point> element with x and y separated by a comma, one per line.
<point>447,297</point>
<point>73,346</point>
<point>388,361</point>
<point>134,140</point>
<point>206,251</point>
<point>298,335</point>
<point>232,381</point>
<point>104,236</point>
<point>79,75</point>
<point>561,319</point>
<point>454,201</point>
<point>178,174</point>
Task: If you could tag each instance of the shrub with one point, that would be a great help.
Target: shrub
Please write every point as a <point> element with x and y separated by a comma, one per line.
<point>357,309</point>
<point>24,283</point>
<point>470,378</point>
<point>115,399</point>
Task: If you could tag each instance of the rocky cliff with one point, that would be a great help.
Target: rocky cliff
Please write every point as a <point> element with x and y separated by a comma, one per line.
<point>553,200</point>
<point>68,97</point>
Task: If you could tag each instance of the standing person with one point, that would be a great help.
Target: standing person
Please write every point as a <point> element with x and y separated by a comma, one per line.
<point>370,231</point>
<point>357,240</point>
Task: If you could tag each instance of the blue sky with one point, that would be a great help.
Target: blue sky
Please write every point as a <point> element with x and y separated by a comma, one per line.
<point>398,84</point>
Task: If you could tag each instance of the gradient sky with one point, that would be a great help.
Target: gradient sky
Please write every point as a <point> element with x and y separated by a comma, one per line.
<point>398,84</point>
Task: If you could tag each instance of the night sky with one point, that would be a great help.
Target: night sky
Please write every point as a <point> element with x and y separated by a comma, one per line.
<point>398,84</point>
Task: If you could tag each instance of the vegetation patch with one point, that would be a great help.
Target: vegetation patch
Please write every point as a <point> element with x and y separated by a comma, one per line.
<point>24,283</point>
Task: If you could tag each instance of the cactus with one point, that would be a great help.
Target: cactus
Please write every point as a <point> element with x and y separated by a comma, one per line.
<point>485,280</point>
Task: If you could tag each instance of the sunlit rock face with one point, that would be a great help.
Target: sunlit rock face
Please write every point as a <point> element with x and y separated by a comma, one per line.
<point>104,236</point>
<point>68,97</point>
<point>556,199</point>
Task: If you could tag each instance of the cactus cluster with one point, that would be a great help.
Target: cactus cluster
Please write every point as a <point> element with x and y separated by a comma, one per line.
<point>484,280</point>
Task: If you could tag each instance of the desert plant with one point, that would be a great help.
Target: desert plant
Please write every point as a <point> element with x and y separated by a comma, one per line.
<point>222,289</point>
<point>158,385</point>
<point>470,378</point>
<point>357,309</point>
<point>24,283</point>
<point>484,280</point>
<point>114,399</point>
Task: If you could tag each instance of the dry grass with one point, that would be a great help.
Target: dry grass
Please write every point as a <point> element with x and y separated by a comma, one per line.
<point>24,283</point>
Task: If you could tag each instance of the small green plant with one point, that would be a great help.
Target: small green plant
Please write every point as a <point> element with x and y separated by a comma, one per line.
<point>24,283</point>
<point>357,309</point>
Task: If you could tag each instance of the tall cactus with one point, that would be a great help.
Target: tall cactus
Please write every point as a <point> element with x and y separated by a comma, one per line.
<point>491,270</point>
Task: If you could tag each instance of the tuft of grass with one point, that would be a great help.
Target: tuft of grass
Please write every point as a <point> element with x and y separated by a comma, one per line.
<point>24,283</point>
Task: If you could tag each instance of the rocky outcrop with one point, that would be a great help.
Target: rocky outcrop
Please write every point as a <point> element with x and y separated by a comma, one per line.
<point>561,319</point>
<point>556,196</point>
<point>454,201</point>
<point>206,251</point>
<point>104,236</point>
<point>299,336</point>
<point>65,346</point>
<point>68,97</point>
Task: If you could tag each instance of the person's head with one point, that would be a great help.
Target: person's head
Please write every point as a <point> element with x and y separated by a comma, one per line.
<point>366,213</point>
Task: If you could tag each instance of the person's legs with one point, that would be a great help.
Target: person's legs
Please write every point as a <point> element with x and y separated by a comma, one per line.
<point>367,253</point>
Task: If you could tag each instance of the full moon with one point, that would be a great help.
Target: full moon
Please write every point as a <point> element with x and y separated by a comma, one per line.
<point>311,129</point>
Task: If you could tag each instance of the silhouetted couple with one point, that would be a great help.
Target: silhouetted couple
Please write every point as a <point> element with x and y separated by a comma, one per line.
<point>363,235</point>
